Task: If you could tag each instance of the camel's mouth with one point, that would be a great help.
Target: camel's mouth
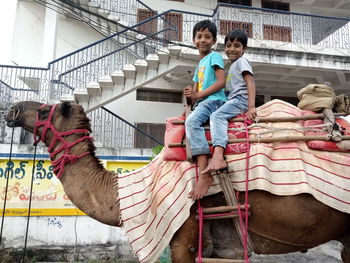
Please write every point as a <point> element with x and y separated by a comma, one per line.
<point>11,117</point>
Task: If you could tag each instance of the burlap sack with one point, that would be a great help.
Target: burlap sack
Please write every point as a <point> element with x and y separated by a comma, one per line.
<point>342,104</point>
<point>316,97</point>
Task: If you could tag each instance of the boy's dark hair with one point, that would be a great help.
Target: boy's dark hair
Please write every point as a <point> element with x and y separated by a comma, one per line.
<point>201,25</point>
<point>237,35</point>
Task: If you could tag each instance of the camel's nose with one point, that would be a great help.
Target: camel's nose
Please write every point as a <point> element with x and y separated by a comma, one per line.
<point>12,116</point>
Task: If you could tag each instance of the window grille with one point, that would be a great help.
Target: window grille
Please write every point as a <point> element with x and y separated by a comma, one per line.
<point>237,2</point>
<point>226,26</point>
<point>149,27</point>
<point>278,33</point>
<point>174,21</point>
<point>156,130</point>
<point>159,96</point>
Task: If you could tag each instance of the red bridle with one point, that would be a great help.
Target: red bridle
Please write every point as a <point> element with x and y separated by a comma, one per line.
<point>65,146</point>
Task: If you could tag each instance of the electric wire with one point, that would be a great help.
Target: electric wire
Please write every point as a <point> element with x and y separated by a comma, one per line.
<point>29,205</point>
<point>7,184</point>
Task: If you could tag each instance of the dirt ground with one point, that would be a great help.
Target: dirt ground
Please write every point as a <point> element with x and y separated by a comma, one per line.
<point>327,253</point>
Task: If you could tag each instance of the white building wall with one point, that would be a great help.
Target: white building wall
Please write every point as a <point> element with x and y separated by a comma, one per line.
<point>28,34</point>
<point>73,35</point>
<point>7,24</point>
<point>136,111</point>
<point>59,231</point>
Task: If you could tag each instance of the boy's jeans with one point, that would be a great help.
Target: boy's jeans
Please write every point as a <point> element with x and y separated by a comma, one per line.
<point>219,119</point>
<point>194,131</point>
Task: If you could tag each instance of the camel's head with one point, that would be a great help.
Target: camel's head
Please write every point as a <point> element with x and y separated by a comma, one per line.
<point>66,116</point>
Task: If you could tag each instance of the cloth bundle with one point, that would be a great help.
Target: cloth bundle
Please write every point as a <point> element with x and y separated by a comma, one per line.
<point>316,97</point>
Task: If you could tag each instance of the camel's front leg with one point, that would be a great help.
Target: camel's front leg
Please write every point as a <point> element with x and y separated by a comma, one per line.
<point>185,241</point>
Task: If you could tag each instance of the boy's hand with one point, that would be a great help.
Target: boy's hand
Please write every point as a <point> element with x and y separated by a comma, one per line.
<point>190,93</point>
<point>251,112</point>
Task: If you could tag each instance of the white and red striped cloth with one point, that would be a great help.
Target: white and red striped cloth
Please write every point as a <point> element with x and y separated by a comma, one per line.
<point>154,202</point>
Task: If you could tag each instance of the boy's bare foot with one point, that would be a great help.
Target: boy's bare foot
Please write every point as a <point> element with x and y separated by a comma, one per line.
<point>202,186</point>
<point>215,165</point>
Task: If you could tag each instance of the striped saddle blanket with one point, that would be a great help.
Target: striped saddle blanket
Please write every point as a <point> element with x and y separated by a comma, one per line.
<point>154,202</point>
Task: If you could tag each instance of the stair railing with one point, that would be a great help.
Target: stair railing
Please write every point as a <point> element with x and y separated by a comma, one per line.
<point>76,69</point>
<point>112,131</point>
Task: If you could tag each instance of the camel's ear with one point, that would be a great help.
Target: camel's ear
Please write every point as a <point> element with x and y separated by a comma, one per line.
<point>65,109</point>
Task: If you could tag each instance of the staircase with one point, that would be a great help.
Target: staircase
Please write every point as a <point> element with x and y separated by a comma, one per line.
<point>107,69</point>
<point>132,76</point>
<point>106,17</point>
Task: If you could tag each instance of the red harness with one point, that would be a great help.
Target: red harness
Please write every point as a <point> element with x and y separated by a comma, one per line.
<point>66,157</point>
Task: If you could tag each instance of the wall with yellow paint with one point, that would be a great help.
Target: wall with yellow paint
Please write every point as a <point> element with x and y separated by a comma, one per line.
<point>48,197</point>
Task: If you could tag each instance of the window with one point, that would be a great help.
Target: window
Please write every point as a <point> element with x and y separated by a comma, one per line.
<point>237,2</point>
<point>275,5</point>
<point>173,21</point>
<point>291,100</point>
<point>156,130</point>
<point>149,27</point>
<point>278,33</point>
<point>158,95</point>
<point>226,26</point>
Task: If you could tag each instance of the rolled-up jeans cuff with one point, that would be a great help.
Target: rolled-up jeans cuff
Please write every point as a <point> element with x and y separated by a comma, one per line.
<point>222,144</point>
<point>200,151</point>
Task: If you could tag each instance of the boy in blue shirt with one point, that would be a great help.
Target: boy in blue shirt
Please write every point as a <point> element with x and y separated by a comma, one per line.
<point>208,92</point>
<point>240,86</point>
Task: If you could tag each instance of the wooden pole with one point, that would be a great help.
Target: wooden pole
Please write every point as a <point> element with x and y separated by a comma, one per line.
<point>220,260</point>
<point>187,143</point>
<point>221,209</point>
<point>275,139</point>
<point>281,119</point>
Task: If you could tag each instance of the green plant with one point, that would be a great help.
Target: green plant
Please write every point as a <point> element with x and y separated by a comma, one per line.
<point>156,150</point>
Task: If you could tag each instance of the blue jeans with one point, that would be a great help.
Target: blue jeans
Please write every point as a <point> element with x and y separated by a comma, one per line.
<point>219,119</point>
<point>194,131</point>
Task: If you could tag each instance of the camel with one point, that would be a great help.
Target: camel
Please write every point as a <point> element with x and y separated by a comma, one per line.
<point>278,224</point>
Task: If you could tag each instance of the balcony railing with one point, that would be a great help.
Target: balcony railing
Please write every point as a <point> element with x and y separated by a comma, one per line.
<point>309,31</point>
<point>75,70</point>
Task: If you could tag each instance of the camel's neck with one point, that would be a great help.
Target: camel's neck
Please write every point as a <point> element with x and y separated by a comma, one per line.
<point>89,186</point>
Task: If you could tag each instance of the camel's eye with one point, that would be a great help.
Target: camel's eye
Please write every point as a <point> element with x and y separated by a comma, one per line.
<point>65,109</point>
<point>43,113</point>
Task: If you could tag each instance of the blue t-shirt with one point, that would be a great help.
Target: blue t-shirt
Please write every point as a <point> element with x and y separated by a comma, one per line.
<point>205,75</point>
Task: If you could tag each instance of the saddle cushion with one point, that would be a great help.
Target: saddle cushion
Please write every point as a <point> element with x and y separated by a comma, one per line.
<point>175,133</point>
<point>325,145</point>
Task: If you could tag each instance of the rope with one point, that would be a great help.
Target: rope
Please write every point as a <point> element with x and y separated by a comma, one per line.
<point>200,224</point>
<point>7,184</point>
<point>243,216</point>
<point>65,146</point>
<point>30,205</point>
<point>245,233</point>
<point>270,129</point>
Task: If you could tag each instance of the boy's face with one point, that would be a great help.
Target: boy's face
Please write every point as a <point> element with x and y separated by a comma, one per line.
<point>203,41</point>
<point>234,50</point>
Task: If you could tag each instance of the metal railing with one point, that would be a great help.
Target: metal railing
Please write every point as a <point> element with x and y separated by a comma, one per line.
<point>113,131</point>
<point>75,70</point>
<point>124,10</point>
<point>310,31</point>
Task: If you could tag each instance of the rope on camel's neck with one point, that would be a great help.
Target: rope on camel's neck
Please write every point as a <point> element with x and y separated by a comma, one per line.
<point>59,137</point>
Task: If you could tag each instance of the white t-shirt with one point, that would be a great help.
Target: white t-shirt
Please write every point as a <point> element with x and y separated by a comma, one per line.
<point>235,83</point>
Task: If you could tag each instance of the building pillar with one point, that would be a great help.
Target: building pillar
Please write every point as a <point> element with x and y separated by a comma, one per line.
<point>49,38</point>
<point>7,21</point>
